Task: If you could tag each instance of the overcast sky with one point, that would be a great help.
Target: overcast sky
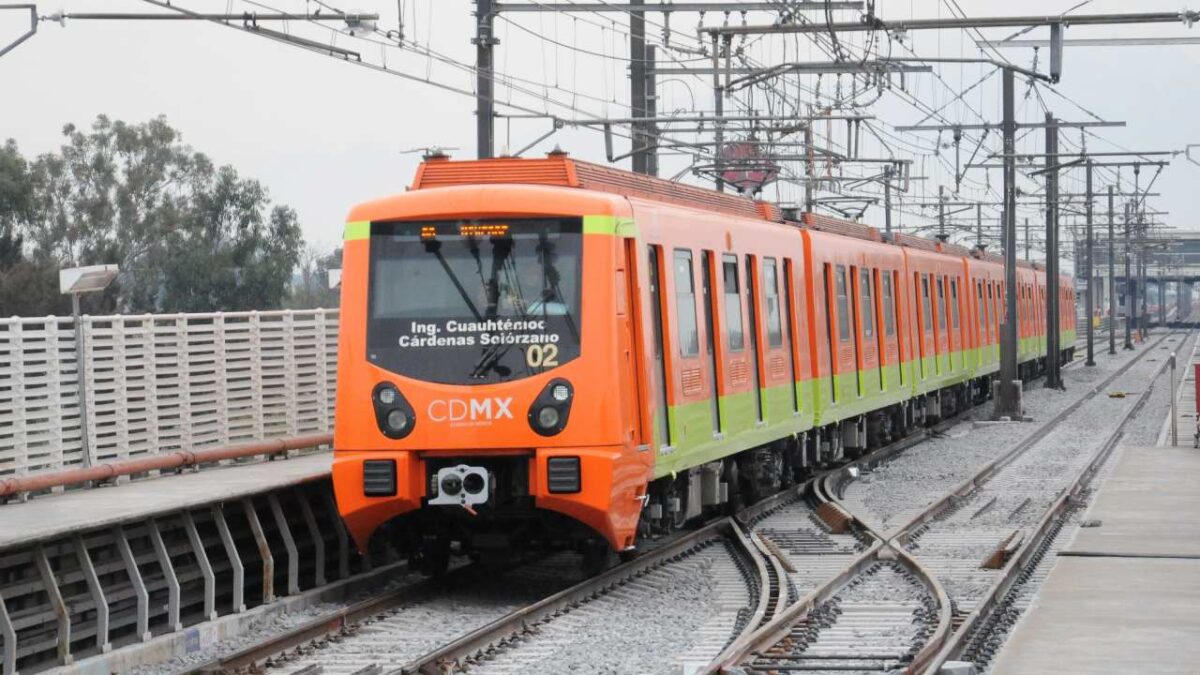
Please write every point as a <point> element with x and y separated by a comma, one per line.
<point>323,135</point>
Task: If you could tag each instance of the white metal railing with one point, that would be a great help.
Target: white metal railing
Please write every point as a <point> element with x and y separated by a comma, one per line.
<point>162,382</point>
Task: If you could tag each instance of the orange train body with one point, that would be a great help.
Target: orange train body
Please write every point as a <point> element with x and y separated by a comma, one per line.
<point>693,346</point>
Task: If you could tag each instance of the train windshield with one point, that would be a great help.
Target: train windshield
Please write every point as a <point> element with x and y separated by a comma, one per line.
<point>474,301</point>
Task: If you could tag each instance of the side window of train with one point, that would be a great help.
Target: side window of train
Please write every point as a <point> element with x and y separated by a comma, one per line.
<point>889,304</point>
<point>685,304</point>
<point>926,308</point>
<point>988,288</point>
<point>981,317</point>
<point>843,304</point>
<point>771,300</point>
<point>954,303</point>
<point>866,303</point>
<point>733,302</point>
<point>941,299</point>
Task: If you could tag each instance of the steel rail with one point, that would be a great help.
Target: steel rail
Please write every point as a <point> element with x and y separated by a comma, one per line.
<point>827,488</point>
<point>498,634</point>
<point>1047,527</point>
<point>338,622</point>
<point>485,640</point>
<point>903,533</point>
<point>766,564</point>
<point>822,493</point>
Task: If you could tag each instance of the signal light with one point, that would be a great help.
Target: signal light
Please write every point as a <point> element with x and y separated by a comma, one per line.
<point>550,410</point>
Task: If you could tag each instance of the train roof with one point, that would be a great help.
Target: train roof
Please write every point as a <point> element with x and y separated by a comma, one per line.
<point>560,169</point>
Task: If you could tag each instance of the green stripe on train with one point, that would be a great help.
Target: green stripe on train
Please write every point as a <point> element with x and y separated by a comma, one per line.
<point>610,225</point>
<point>358,229</point>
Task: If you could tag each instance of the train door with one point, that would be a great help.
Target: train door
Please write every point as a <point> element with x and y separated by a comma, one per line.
<point>632,347</point>
<point>870,336</point>
<point>982,338</point>
<point>924,320</point>
<point>710,339</point>
<point>752,293</point>
<point>888,336</point>
<point>776,331</point>
<point>735,335</point>
<point>791,329</point>
<point>957,343</point>
<point>831,322</point>
<point>846,360</point>
<point>941,341</point>
<point>659,374</point>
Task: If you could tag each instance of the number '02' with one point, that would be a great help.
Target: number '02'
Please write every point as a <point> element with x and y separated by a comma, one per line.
<point>542,356</point>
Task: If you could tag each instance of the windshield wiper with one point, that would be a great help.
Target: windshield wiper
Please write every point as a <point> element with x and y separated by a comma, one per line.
<point>435,248</point>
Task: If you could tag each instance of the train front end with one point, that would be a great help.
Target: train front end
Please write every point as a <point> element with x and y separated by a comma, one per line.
<point>480,374</point>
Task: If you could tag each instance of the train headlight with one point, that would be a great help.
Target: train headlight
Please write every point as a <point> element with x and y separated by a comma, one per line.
<point>393,414</point>
<point>547,417</point>
<point>397,420</point>
<point>550,410</point>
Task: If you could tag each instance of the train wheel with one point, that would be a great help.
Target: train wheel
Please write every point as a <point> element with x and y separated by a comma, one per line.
<point>433,559</point>
<point>598,557</point>
<point>735,488</point>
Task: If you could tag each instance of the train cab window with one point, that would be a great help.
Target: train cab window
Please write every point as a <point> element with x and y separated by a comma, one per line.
<point>685,304</point>
<point>771,300</point>
<point>941,300</point>
<point>889,304</point>
<point>733,302</point>
<point>843,304</point>
<point>474,301</point>
<point>866,302</point>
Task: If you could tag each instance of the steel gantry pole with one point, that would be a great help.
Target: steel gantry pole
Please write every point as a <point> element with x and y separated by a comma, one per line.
<point>1129,302</point>
<point>719,111</point>
<point>1053,376</point>
<point>979,226</point>
<point>651,112</point>
<point>1091,275</point>
<point>1112,276</point>
<point>485,90</point>
<point>637,85</point>
<point>887,200</point>
<point>1008,389</point>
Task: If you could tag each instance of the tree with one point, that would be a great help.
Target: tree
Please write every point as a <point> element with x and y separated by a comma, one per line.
<point>26,287</point>
<point>187,235</point>
<point>310,286</point>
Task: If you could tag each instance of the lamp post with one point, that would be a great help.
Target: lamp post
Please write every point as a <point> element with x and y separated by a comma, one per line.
<point>76,281</point>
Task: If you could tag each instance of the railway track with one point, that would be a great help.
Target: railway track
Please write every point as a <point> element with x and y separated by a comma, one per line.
<point>796,555</point>
<point>908,610</point>
<point>754,565</point>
